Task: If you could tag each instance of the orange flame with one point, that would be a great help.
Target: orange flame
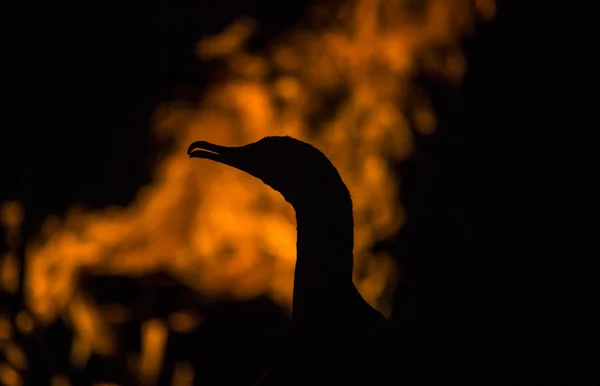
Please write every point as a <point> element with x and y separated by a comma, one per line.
<point>340,87</point>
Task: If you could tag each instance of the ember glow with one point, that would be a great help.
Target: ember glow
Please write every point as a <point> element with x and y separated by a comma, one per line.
<point>343,86</point>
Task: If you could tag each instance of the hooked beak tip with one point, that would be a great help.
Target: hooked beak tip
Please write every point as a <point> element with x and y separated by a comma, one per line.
<point>203,149</point>
<point>193,146</point>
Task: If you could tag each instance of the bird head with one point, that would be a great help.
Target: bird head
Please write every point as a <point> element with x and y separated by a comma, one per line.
<point>296,169</point>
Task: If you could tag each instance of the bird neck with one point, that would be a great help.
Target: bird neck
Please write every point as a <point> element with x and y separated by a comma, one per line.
<point>324,253</point>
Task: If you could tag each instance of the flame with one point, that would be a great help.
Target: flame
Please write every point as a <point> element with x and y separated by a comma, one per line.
<point>344,86</point>
<point>9,376</point>
<point>11,218</point>
<point>15,356</point>
<point>5,329</point>
<point>60,380</point>
<point>154,338</point>
<point>183,375</point>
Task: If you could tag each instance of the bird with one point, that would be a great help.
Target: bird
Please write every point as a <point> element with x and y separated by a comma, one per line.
<point>337,336</point>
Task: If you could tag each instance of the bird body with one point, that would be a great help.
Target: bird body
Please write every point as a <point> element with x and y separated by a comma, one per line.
<point>337,337</point>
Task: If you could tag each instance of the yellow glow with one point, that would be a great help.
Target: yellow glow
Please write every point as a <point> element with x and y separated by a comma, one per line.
<point>9,273</point>
<point>15,356</point>
<point>228,41</point>
<point>59,380</point>
<point>154,338</point>
<point>183,321</point>
<point>92,332</point>
<point>183,375</point>
<point>486,8</point>
<point>9,376</point>
<point>5,328</point>
<point>24,322</point>
<point>11,214</point>
<point>116,313</point>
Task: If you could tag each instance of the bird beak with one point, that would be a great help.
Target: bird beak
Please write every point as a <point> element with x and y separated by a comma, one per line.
<point>223,154</point>
<point>203,149</point>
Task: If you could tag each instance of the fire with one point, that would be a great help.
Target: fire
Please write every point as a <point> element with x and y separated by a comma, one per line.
<point>342,86</point>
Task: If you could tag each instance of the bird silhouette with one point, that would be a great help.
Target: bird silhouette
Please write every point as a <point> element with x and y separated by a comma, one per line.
<point>337,337</point>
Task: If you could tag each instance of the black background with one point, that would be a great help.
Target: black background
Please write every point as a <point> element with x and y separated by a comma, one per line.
<point>497,250</point>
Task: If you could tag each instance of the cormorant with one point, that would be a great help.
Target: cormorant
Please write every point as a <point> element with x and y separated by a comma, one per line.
<point>338,338</point>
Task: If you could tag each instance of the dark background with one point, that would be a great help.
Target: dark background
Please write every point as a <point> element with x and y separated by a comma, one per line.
<point>497,251</point>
